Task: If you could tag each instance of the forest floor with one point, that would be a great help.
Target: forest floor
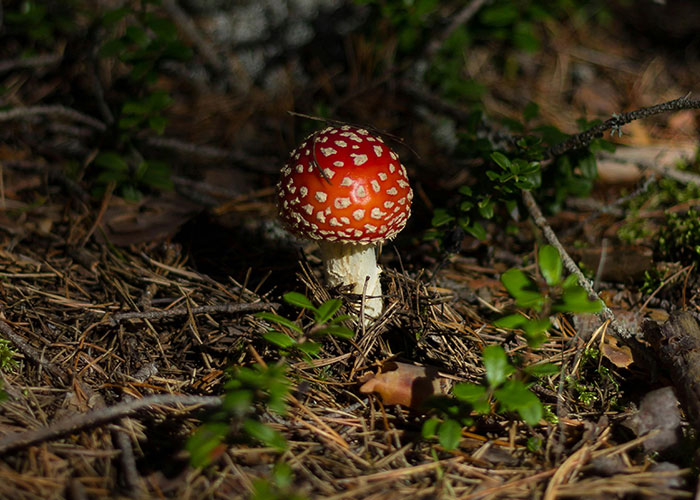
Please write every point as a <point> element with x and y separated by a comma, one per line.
<point>123,320</point>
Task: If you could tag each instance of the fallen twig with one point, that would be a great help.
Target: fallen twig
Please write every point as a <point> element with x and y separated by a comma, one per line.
<point>569,263</point>
<point>18,441</point>
<point>183,311</point>
<point>670,172</point>
<point>251,163</point>
<point>462,17</point>
<point>127,460</point>
<point>30,62</point>
<point>52,110</point>
<point>192,32</point>
<point>584,138</point>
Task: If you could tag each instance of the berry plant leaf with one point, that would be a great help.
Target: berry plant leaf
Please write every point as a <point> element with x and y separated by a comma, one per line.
<point>550,265</point>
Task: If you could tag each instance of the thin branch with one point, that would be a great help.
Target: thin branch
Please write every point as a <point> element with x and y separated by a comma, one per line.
<point>19,440</point>
<point>462,17</point>
<point>52,110</point>
<point>670,172</point>
<point>183,311</point>
<point>583,139</point>
<point>127,459</point>
<point>569,263</point>
<point>251,163</point>
<point>30,62</point>
<point>192,32</point>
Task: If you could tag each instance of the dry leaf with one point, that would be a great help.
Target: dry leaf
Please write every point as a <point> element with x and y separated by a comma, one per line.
<point>405,384</point>
<point>620,356</point>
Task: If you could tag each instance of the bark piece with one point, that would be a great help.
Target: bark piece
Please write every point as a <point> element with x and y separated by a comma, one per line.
<point>677,344</point>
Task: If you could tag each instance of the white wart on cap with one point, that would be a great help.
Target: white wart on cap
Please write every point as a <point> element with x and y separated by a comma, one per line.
<point>344,184</point>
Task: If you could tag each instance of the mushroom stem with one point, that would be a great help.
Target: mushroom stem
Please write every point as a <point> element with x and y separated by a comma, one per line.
<point>352,264</point>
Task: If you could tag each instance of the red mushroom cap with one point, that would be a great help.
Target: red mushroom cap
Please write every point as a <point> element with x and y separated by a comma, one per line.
<point>344,184</point>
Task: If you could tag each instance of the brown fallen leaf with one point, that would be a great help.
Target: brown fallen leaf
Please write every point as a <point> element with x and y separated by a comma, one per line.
<point>150,219</point>
<point>405,384</point>
<point>619,355</point>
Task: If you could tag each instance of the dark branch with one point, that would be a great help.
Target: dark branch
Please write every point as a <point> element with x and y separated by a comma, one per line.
<point>583,139</point>
<point>17,441</point>
<point>184,311</point>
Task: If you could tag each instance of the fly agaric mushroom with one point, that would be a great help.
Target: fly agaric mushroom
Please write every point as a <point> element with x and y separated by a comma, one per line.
<point>345,188</point>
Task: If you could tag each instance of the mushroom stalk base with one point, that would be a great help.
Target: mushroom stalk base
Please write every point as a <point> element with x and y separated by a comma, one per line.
<point>352,264</point>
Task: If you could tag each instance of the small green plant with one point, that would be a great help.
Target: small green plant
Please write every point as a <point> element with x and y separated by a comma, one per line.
<point>7,355</point>
<point>247,388</point>
<point>40,22</point>
<point>506,385</point>
<point>130,178</point>
<point>266,387</point>
<point>141,40</point>
<point>679,239</point>
<point>558,296</point>
<point>294,338</point>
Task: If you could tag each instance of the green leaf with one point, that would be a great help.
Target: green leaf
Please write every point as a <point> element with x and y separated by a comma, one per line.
<point>238,402</point>
<point>465,190</point>
<point>327,310</point>
<point>499,15</point>
<point>111,161</point>
<point>588,166</point>
<point>486,208</point>
<point>571,280</point>
<point>265,434</point>
<point>496,364</point>
<point>298,299</point>
<point>522,288</point>
<point>158,100</point>
<point>575,300</point>
<point>309,347</point>
<point>137,35</point>
<point>430,427</point>
<point>532,110</point>
<point>130,192</point>
<point>542,369</point>
<point>279,339</point>
<point>112,17</point>
<point>441,217</point>
<point>469,392</point>
<point>135,107</point>
<point>477,231</point>
<point>537,326</point>
<point>515,396</point>
<point>112,48</point>
<point>449,433</point>
<point>162,27</point>
<point>157,174</point>
<point>501,160</point>
<point>204,441</point>
<point>533,412</point>
<point>338,331</point>
<point>127,122</point>
<point>108,176</point>
<point>157,123</point>
<point>511,321</point>
<point>280,320</point>
<point>550,264</point>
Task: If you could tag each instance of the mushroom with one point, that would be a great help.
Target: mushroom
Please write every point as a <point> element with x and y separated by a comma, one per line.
<point>346,189</point>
